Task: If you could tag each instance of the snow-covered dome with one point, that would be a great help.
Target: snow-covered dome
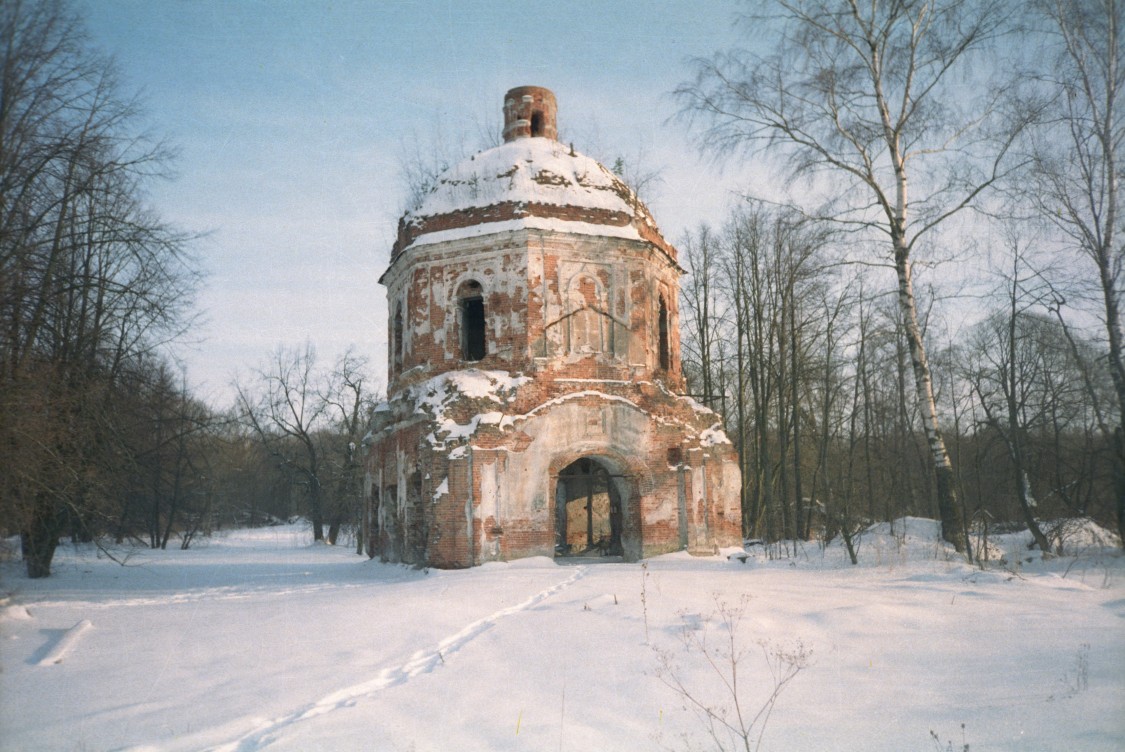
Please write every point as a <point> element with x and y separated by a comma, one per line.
<point>530,170</point>
<point>531,181</point>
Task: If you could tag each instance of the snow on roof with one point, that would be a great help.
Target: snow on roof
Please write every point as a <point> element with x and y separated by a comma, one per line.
<point>528,183</point>
<point>532,170</point>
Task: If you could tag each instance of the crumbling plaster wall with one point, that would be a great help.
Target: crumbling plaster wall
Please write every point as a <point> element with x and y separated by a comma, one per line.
<point>463,474</point>
<point>426,286</point>
<point>551,301</point>
<point>487,465</point>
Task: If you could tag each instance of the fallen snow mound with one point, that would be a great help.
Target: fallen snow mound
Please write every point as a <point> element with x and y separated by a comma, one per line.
<point>917,539</point>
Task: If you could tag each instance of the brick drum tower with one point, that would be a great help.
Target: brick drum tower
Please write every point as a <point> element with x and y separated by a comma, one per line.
<point>534,380</point>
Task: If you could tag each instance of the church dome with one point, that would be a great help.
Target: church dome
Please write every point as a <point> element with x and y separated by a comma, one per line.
<point>530,181</point>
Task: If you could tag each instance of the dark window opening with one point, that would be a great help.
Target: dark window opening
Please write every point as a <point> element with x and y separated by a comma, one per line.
<point>665,356</point>
<point>472,323</point>
<point>472,314</point>
<point>373,519</point>
<point>417,522</point>
<point>537,124</point>
<point>396,337</point>
<point>392,531</point>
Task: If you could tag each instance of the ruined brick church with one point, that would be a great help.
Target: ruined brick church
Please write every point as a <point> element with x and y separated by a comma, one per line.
<point>535,401</point>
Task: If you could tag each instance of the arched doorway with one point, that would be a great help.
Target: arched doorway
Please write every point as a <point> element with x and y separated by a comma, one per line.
<point>588,500</point>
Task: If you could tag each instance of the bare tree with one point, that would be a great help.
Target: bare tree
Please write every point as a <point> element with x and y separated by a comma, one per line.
<point>286,416</point>
<point>311,421</point>
<point>91,281</point>
<point>831,478</point>
<point>1078,170</point>
<point>701,319</point>
<point>244,478</point>
<point>1006,367</point>
<point>753,313</point>
<point>349,396</point>
<point>875,99</point>
<point>162,434</point>
<point>424,158</point>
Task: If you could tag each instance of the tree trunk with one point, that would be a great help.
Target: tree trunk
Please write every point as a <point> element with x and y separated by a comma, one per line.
<point>1015,428</point>
<point>40,539</point>
<point>315,500</point>
<point>333,530</point>
<point>315,513</point>
<point>798,490</point>
<point>1117,373</point>
<point>952,521</point>
<point>740,410</point>
<point>1119,481</point>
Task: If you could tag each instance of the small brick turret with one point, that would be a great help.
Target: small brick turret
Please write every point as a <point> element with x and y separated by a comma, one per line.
<point>530,112</point>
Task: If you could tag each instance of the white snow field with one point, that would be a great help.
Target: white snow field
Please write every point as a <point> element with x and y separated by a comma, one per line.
<point>259,640</point>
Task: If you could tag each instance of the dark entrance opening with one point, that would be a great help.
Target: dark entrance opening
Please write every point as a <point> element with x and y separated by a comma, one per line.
<point>536,124</point>
<point>587,511</point>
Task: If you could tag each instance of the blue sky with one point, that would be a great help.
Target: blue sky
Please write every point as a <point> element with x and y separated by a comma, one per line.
<point>291,119</point>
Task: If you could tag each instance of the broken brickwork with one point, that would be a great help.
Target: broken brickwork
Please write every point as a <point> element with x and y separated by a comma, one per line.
<point>534,392</point>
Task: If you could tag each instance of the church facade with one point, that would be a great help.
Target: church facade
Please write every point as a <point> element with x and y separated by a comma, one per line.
<point>535,402</point>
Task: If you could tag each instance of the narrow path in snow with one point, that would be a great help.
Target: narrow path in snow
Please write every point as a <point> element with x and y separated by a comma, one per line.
<point>422,662</point>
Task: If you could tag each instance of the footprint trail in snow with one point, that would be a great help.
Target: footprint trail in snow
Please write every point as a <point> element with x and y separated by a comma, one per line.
<point>422,662</point>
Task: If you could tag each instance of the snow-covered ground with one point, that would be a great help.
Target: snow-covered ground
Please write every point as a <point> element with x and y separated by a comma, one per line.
<point>259,640</point>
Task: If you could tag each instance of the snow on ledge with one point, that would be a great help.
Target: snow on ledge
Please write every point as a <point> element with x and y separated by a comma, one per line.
<point>714,435</point>
<point>626,232</point>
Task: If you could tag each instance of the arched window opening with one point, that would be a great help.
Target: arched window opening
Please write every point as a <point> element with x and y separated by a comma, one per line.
<point>537,123</point>
<point>396,337</point>
<point>665,355</point>
<point>471,303</point>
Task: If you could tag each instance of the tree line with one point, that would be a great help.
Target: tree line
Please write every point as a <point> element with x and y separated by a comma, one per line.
<point>806,360</point>
<point>913,127</point>
<point>100,436</point>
